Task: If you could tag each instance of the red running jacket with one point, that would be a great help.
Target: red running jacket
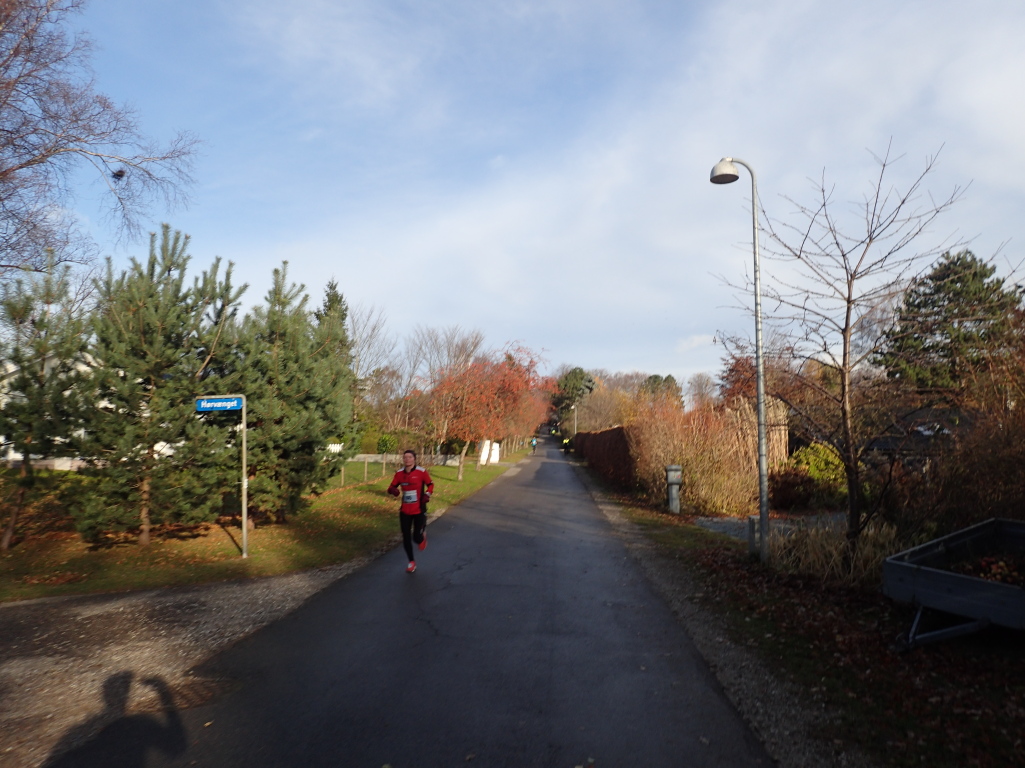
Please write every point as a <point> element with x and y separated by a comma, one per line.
<point>412,484</point>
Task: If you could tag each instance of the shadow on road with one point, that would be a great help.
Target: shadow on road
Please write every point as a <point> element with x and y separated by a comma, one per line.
<point>115,739</point>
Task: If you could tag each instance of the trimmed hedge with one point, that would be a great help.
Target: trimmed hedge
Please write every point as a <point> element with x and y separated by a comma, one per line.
<point>608,453</point>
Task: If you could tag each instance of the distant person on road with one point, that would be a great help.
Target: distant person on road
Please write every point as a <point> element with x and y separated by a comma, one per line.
<point>414,486</point>
<point>533,446</point>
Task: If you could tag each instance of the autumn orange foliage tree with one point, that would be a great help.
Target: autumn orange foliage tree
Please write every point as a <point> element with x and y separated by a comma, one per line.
<point>491,398</point>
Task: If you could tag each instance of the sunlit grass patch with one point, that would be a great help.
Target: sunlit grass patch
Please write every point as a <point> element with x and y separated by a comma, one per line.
<point>342,524</point>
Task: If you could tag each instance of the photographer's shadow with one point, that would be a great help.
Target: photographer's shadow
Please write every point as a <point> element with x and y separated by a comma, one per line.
<point>115,739</point>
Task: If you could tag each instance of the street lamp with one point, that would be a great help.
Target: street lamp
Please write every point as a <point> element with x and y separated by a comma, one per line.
<point>574,409</point>
<point>725,172</point>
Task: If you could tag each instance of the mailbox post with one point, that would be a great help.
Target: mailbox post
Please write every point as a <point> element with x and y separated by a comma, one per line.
<point>674,479</point>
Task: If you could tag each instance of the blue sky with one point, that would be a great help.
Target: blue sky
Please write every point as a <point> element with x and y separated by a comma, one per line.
<point>539,170</point>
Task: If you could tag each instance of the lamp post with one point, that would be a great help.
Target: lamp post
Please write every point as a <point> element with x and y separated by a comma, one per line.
<point>725,172</point>
<point>574,409</point>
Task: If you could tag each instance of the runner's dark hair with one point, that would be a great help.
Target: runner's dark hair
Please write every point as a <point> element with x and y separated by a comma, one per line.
<point>410,450</point>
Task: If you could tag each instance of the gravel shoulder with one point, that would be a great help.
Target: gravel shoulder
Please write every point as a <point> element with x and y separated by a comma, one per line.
<point>56,655</point>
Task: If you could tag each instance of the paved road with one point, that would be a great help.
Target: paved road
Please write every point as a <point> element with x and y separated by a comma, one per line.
<point>527,637</point>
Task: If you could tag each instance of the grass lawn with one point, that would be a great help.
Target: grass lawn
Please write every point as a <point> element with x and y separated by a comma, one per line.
<point>343,523</point>
<point>947,705</point>
<point>358,472</point>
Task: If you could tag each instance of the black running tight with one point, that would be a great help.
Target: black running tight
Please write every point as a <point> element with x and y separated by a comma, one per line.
<point>412,531</point>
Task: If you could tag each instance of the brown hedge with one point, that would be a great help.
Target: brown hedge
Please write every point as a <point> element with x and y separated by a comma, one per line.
<point>608,453</point>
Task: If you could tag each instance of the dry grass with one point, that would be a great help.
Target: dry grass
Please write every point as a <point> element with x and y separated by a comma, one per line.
<point>823,551</point>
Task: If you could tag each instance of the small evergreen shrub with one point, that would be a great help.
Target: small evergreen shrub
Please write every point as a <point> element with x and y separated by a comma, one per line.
<point>822,463</point>
<point>813,478</point>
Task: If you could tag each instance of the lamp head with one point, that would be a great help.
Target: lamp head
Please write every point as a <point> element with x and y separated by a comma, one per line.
<point>725,172</point>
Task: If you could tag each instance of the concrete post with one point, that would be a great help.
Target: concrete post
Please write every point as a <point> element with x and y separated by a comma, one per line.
<point>674,479</point>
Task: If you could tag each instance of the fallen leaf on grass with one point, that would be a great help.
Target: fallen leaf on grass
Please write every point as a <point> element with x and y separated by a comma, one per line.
<point>53,579</point>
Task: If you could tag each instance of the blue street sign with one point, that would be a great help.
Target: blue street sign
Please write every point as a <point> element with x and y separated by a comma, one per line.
<point>218,403</point>
<point>234,403</point>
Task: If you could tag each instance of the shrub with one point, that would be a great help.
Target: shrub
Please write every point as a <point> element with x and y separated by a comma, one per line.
<point>608,453</point>
<point>387,444</point>
<point>44,507</point>
<point>791,487</point>
<point>715,449</point>
<point>718,465</point>
<point>977,477</point>
<point>813,478</point>
<point>823,464</point>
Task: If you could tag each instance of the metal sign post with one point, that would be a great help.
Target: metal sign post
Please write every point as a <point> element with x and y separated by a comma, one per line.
<point>233,403</point>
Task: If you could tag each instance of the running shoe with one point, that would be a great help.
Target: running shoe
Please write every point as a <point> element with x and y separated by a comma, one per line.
<point>411,567</point>
<point>423,544</point>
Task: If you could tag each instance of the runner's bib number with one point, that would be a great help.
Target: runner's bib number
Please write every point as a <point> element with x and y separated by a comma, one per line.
<point>408,497</point>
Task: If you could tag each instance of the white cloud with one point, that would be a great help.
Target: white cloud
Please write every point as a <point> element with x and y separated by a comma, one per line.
<point>691,343</point>
<point>544,165</point>
<point>368,52</point>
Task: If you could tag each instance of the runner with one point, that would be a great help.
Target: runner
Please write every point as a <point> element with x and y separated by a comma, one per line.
<point>533,446</point>
<point>416,489</point>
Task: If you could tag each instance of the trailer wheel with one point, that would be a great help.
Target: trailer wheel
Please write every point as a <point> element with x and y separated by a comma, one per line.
<point>902,644</point>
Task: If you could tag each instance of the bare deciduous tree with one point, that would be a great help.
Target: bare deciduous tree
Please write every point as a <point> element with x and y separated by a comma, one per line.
<point>605,407</point>
<point>827,296</point>
<point>626,381</point>
<point>446,351</point>
<point>52,121</point>
<point>371,346</point>
<point>701,391</point>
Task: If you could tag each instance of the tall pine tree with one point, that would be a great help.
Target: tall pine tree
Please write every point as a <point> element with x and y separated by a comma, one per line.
<point>332,325</point>
<point>297,379</point>
<point>43,358</point>
<point>949,324</point>
<point>156,340</point>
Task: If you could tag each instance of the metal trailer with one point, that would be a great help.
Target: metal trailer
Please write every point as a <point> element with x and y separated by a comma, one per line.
<point>923,576</point>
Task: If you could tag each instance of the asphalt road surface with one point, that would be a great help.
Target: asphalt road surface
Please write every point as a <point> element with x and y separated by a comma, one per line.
<point>526,637</point>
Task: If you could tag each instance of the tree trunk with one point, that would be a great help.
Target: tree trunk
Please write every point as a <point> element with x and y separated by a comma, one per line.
<point>144,511</point>
<point>25,477</point>
<point>5,544</point>
<point>855,506</point>
<point>850,452</point>
<point>462,458</point>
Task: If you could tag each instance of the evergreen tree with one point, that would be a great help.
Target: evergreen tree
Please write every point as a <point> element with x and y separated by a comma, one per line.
<point>572,387</point>
<point>335,307</point>
<point>297,379</point>
<point>664,387</point>
<point>43,365</point>
<point>155,342</point>
<point>949,323</point>
<point>332,328</point>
